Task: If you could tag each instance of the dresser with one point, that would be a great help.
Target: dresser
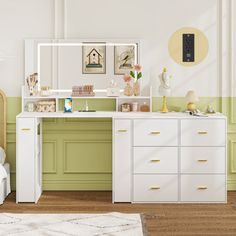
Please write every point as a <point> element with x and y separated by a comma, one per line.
<point>169,158</point>
<point>157,157</point>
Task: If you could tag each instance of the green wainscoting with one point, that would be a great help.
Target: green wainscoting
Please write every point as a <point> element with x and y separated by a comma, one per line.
<point>77,152</point>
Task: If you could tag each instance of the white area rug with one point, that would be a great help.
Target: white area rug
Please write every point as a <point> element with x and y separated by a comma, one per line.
<point>112,224</point>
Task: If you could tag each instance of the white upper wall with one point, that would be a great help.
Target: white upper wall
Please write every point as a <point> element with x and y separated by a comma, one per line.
<point>152,21</point>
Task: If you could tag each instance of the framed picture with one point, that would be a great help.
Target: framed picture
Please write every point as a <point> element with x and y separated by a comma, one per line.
<point>94,59</point>
<point>124,59</point>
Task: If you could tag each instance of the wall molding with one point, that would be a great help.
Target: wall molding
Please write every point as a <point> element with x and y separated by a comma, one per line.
<point>66,142</point>
<point>232,51</point>
<point>232,143</point>
<point>54,170</point>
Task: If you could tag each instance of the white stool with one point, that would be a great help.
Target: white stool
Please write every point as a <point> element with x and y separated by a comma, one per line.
<point>5,187</point>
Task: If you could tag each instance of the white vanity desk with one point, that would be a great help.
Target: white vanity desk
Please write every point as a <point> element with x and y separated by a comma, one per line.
<point>157,157</point>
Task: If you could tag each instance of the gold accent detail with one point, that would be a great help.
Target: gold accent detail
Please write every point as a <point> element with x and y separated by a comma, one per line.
<point>155,132</point>
<point>202,132</point>
<point>164,105</point>
<point>122,130</point>
<point>202,160</point>
<point>155,160</point>
<point>25,129</point>
<point>202,187</point>
<point>155,187</point>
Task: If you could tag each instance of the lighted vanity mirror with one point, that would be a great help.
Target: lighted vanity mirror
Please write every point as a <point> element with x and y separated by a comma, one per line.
<point>61,64</point>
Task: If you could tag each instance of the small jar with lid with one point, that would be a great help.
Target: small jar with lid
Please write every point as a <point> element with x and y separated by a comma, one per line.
<point>144,107</point>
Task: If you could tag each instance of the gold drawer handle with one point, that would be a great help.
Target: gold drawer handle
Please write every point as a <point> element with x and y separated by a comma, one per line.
<point>122,130</point>
<point>202,187</point>
<point>202,160</point>
<point>155,160</point>
<point>155,187</point>
<point>202,132</point>
<point>25,129</point>
<point>155,132</point>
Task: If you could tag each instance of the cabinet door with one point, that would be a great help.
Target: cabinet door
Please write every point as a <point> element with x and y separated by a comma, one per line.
<point>38,161</point>
<point>121,161</point>
<point>25,160</point>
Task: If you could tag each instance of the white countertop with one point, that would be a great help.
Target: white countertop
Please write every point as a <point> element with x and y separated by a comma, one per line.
<point>113,114</point>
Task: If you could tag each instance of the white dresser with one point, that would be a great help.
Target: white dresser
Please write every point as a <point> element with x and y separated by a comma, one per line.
<point>157,157</point>
<point>170,158</point>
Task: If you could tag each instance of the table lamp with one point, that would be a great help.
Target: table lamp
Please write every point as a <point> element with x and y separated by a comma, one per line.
<point>191,98</point>
<point>164,89</point>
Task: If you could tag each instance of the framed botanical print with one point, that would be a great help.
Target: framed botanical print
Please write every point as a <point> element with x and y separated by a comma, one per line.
<point>94,58</point>
<point>124,59</point>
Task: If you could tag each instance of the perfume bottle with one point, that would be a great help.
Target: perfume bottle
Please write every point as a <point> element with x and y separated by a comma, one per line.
<point>144,107</point>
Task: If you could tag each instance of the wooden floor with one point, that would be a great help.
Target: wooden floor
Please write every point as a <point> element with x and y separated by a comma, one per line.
<point>160,219</point>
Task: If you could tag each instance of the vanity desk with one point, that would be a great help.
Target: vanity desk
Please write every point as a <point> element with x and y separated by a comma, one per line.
<point>172,157</point>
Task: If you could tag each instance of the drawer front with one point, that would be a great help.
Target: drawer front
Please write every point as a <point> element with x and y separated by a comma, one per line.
<point>203,132</point>
<point>155,160</point>
<point>155,188</point>
<point>203,160</point>
<point>156,132</point>
<point>203,188</point>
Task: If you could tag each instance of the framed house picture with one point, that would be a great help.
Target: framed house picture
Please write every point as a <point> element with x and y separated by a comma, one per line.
<point>124,59</point>
<point>94,58</point>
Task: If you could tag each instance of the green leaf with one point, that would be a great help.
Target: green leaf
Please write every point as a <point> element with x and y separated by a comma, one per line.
<point>139,75</point>
<point>132,74</point>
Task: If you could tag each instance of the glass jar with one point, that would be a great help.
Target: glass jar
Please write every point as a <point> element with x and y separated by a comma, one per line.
<point>128,90</point>
<point>136,88</point>
<point>135,107</point>
<point>144,107</point>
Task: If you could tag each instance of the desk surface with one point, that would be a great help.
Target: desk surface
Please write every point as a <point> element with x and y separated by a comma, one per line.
<point>122,115</point>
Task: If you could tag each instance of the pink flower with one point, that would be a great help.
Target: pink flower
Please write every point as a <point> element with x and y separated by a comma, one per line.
<point>127,78</point>
<point>137,67</point>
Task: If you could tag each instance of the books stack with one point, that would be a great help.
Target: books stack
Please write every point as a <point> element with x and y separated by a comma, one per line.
<point>83,91</point>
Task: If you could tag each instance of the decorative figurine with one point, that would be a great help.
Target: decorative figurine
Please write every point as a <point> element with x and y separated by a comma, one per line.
<point>210,109</point>
<point>164,88</point>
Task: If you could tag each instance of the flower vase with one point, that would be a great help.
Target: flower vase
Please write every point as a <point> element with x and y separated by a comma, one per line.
<point>128,90</point>
<point>136,88</point>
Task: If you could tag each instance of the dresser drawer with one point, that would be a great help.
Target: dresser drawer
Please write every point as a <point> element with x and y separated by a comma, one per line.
<point>203,188</point>
<point>155,160</point>
<point>204,132</point>
<point>155,132</point>
<point>155,188</point>
<point>203,160</point>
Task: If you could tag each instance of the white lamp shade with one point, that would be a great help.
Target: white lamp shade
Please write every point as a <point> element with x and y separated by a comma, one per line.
<point>191,97</point>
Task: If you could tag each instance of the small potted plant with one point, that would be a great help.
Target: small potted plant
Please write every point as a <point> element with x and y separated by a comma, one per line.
<point>136,74</point>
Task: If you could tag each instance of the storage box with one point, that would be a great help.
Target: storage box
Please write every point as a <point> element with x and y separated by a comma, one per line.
<point>46,106</point>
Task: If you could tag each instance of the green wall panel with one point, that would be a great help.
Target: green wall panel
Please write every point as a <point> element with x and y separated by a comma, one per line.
<point>77,152</point>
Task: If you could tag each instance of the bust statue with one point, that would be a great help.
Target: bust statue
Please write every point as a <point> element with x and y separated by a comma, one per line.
<point>164,88</point>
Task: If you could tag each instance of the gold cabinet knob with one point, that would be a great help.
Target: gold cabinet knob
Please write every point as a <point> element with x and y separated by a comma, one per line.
<point>202,132</point>
<point>155,160</point>
<point>202,187</point>
<point>154,187</point>
<point>155,132</point>
<point>122,130</point>
<point>202,160</point>
<point>25,129</point>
